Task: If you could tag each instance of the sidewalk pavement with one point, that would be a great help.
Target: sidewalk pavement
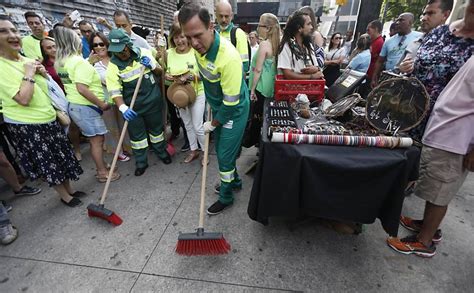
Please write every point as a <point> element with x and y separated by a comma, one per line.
<point>60,249</point>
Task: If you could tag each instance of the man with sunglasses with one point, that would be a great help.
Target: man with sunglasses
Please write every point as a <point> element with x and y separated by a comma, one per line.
<point>86,29</point>
<point>394,48</point>
<point>145,122</point>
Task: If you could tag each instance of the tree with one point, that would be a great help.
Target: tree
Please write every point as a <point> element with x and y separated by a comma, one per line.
<point>391,9</point>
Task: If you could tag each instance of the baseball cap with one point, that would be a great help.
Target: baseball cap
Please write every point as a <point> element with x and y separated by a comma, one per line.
<point>118,40</point>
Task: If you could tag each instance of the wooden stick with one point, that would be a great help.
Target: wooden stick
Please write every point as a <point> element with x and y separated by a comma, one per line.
<point>122,136</point>
<point>204,173</point>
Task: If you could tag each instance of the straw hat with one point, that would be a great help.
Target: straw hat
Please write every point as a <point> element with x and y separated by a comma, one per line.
<point>182,95</point>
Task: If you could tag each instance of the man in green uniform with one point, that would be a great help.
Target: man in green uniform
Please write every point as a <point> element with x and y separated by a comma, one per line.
<point>31,44</point>
<point>145,122</point>
<point>226,28</point>
<point>220,67</point>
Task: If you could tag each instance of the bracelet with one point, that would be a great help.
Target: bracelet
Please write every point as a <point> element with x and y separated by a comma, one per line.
<point>25,78</point>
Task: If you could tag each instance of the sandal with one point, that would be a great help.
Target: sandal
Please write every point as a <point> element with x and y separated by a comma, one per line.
<point>103,178</point>
<point>191,157</point>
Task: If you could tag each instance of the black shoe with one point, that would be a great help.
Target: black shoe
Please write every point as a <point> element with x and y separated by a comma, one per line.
<point>78,194</point>
<point>166,160</point>
<point>185,147</point>
<point>217,208</point>
<point>74,202</point>
<point>140,171</point>
<point>217,188</point>
<point>26,190</point>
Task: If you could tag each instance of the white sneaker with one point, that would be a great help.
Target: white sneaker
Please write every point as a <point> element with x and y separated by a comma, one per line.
<point>8,234</point>
<point>123,158</point>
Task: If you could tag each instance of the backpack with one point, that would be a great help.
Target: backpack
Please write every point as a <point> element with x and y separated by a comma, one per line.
<point>233,40</point>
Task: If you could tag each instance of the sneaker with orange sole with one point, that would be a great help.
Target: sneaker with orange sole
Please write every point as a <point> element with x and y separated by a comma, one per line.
<point>411,245</point>
<point>415,226</point>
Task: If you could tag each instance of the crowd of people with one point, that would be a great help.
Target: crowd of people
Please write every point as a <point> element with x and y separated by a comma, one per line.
<point>222,67</point>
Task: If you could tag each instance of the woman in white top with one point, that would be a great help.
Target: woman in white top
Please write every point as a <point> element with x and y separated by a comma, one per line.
<point>99,45</point>
<point>334,57</point>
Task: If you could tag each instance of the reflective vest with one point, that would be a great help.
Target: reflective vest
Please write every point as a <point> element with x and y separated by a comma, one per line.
<point>224,86</point>
<point>242,44</point>
<point>121,81</point>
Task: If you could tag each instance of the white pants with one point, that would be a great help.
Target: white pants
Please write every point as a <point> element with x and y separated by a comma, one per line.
<point>192,117</point>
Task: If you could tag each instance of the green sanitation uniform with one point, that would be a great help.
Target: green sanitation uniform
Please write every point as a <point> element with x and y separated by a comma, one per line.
<point>122,77</point>
<point>228,95</point>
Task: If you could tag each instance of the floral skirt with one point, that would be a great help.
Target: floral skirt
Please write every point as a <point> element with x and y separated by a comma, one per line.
<point>45,152</point>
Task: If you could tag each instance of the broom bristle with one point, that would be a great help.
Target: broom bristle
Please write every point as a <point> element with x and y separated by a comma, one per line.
<point>113,218</point>
<point>202,247</point>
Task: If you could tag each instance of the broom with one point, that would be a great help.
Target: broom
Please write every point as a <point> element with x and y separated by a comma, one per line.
<point>200,242</point>
<point>99,211</point>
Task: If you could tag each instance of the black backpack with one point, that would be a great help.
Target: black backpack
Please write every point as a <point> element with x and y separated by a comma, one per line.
<point>233,40</point>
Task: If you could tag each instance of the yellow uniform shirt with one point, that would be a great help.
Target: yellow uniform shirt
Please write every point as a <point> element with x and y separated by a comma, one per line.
<point>78,70</point>
<point>31,47</point>
<point>241,44</point>
<point>39,110</point>
<point>177,63</point>
<point>223,78</point>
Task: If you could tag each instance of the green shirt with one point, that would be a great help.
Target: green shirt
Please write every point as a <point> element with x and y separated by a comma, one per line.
<point>39,110</point>
<point>266,83</point>
<point>223,77</point>
<point>177,63</point>
<point>78,70</point>
<point>31,47</point>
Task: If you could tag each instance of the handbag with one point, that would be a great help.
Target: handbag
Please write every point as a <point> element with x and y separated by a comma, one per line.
<point>59,102</point>
<point>253,126</point>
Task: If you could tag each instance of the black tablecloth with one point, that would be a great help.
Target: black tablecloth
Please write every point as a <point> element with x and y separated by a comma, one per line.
<point>357,184</point>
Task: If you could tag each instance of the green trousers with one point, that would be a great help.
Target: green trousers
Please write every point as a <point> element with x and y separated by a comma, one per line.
<point>228,139</point>
<point>146,127</point>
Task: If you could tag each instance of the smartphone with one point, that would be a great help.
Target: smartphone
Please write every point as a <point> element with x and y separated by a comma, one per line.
<point>75,15</point>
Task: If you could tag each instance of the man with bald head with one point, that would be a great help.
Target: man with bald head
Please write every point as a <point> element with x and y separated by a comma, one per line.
<point>226,29</point>
<point>394,48</point>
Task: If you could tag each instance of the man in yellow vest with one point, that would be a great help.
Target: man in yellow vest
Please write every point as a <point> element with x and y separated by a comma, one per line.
<point>226,29</point>
<point>145,120</point>
<point>220,68</point>
<point>31,44</point>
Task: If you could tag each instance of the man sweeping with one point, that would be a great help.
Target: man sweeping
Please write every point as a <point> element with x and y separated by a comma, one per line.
<point>145,120</point>
<point>221,70</point>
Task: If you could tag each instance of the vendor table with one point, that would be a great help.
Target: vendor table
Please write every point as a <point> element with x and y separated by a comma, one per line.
<point>356,184</point>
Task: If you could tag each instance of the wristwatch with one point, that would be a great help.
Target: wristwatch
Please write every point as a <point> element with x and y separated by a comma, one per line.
<point>25,78</point>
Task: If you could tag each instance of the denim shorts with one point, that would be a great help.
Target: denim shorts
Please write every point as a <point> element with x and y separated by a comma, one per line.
<point>87,119</point>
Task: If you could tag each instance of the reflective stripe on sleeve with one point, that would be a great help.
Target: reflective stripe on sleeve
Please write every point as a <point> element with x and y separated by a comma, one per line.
<point>231,100</point>
<point>244,56</point>
<point>130,74</point>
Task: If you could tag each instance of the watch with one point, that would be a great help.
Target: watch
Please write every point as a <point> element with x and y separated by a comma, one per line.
<point>25,78</point>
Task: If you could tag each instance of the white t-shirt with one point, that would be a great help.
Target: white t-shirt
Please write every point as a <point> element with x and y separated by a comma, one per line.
<point>287,60</point>
<point>139,41</point>
<point>335,53</point>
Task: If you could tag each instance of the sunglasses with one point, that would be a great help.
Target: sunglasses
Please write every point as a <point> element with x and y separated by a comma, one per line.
<point>337,38</point>
<point>95,45</point>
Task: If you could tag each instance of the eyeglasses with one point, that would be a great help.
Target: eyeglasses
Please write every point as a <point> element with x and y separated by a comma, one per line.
<point>264,26</point>
<point>337,38</point>
<point>95,45</point>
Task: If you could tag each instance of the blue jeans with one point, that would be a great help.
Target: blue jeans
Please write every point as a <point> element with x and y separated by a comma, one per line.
<point>4,219</point>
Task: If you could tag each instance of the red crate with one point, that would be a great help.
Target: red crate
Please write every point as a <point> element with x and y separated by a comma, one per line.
<point>288,89</point>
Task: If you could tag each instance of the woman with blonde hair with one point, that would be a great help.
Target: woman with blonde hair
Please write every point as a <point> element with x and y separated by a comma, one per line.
<point>41,144</point>
<point>263,66</point>
<point>84,93</point>
<point>180,59</point>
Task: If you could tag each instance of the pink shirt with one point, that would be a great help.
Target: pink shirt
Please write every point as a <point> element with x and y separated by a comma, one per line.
<point>451,124</point>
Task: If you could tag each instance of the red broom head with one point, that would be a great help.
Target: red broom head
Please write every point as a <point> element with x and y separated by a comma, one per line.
<point>112,217</point>
<point>171,149</point>
<point>202,247</point>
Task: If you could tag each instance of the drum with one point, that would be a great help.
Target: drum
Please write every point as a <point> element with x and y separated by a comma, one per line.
<point>397,105</point>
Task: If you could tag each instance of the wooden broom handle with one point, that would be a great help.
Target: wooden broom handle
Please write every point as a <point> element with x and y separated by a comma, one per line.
<point>204,172</point>
<point>122,136</point>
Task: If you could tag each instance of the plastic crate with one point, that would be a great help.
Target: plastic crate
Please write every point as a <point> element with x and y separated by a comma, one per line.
<point>288,89</point>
